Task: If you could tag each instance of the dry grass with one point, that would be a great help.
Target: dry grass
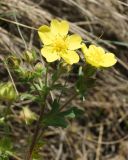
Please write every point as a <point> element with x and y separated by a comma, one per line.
<point>101,133</point>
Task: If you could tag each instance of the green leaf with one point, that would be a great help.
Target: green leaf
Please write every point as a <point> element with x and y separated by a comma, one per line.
<point>27,96</point>
<point>55,76</point>
<point>4,156</point>
<point>54,118</point>
<point>71,115</point>
<point>56,121</point>
<point>73,112</point>
<point>5,144</point>
<point>55,107</point>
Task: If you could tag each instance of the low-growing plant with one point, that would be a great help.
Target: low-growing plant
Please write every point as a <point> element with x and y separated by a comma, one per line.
<point>35,80</point>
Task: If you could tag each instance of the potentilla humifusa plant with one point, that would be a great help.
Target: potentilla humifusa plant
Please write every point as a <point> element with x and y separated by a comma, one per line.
<point>35,78</point>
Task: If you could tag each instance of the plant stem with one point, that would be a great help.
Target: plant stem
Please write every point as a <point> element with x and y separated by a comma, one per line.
<point>13,155</point>
<point>38,125</point>
<point>34,139</point>
<point>68,101</point>
<point>11,77</point>
<point>63,89</point>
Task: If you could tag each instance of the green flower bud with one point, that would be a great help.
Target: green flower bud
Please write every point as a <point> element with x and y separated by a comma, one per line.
<point>39,70</point>
<point>13,61</point>
<point>28,75</point>
<point>39,66</point>
<point>25,73</point>
<point>7,92</point>
<point>29,57</point>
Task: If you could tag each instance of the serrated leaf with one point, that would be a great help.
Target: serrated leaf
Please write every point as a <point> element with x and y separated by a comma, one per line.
<point>58,119</point>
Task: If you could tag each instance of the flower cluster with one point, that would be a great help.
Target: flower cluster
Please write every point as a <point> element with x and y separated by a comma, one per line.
<point>57,44</point>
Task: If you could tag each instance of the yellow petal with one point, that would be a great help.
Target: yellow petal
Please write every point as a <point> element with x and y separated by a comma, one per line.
<point>45,35</point>
<point>74,42</point>
<point>70,57</point>
<point>109,60</point>
<point>90,58</point>
<point>84,48</point>
<point>93,55</point>
<point>101,50</point>
<point>93,49</point>
<point>64,27</point>
<point>59,28</point>
<point>49,54</point>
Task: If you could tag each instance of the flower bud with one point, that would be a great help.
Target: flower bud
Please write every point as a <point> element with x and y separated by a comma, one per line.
<point>7,92</point>
<point>13,61</point>
<point>29,75</point>
<point>29,57</point>
<point>39,67</point>
<point>25,73</point>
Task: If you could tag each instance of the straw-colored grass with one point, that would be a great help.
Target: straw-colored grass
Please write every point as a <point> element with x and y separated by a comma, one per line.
<point>102,132</point>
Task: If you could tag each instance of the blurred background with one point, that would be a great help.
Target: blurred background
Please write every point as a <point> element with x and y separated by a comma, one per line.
<point>102,132</point>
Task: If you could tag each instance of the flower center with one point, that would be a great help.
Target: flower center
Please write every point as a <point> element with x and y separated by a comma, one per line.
<point>60,45</point>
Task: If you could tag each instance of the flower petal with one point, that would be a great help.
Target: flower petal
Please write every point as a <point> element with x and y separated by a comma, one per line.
<point>101,50</point>
<point>45,35</point>
<point>49,54</point>
<point>60,28</point>
<point>93,55</point>
<point>109,60</point>
<point>70,57</point>
<point>95,49</point>
<point>64,27</point>
<point>84,48</point>
<point>74,42</point>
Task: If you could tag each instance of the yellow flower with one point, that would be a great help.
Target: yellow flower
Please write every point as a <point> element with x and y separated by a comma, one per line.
<point>97,57</point>
<point>57,43</point>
